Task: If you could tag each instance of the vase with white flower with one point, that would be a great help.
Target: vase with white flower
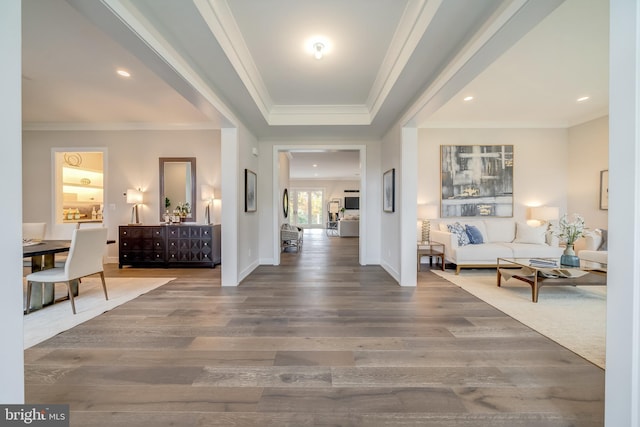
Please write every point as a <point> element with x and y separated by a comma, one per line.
<point>568,231</point>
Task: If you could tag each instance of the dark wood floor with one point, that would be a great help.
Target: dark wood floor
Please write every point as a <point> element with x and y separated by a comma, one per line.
<point>317,341</point>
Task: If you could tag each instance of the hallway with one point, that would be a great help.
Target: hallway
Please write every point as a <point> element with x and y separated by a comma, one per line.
<point>318,340</point>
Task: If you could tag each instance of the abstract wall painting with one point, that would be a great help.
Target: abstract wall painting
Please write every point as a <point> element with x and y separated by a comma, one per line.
<point>476,180</point>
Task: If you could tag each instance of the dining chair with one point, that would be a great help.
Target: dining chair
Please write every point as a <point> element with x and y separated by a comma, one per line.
<point>84,259</point>
<point>32,231</point>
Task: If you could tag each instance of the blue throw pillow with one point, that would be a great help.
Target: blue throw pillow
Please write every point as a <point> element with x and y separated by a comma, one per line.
<point>475,236</point>
<point>460,232</point>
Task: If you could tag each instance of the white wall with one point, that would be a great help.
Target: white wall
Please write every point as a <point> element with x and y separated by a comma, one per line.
<point>284,182</point>
<point>131,162</point>
<point>248,236</point>
<point>588,155</point>
<point>622,387</point>
<point>541,164</point>
<point>390,244</point>
<point>11,317</point>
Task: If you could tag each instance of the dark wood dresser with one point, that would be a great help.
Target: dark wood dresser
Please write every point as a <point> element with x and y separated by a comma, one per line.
<point>181,245</point>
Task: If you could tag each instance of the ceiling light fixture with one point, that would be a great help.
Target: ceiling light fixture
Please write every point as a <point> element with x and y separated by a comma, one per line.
<point>318,46</point>
<point>315,166</point>
<point>123,73</point>
<point>318,49</point>
<point>468,98</point>
<point>582,99</point>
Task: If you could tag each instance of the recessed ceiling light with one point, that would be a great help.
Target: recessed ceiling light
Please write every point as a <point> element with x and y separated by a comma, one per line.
<point>582,99</point>
<point>315,166</point>
<point>468,98</point>
<point>123,73</point>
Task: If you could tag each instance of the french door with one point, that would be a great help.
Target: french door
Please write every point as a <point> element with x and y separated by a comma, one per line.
<point>306,206</point>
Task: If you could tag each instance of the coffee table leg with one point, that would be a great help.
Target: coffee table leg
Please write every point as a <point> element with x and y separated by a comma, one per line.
<point>499,279</point>
<point>534,288</point>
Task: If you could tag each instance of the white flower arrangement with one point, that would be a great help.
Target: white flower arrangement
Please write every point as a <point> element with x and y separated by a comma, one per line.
<point>570,231</point>
<point>182,209</point>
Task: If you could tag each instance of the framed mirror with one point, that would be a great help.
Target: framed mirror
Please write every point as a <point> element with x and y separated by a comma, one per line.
<point>178,186</point>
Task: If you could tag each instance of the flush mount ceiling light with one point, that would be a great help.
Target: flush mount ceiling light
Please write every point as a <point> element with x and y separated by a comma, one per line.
<point>468,98</point>
<point>317,50</point>
<point>123,73</point>
<point>582,99</point>
<point>318,46</point>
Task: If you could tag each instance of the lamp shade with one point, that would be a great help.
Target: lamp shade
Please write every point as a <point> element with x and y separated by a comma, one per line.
<point>545,213</point>
<point>427,211</point>
<point>134,196</point>
<point>206,192</point>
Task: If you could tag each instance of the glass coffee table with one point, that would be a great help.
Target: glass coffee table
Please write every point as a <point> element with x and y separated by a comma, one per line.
<point>538,274</point>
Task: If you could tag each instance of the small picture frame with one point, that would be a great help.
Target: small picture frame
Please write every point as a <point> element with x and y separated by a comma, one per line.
<point>250,191</point>
<point>389,190</point>
<point>604,189</point>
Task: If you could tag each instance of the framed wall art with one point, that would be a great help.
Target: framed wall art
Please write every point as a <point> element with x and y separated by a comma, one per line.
<point>389,191</point>
<point>476,180</point>
<point>604,189</point>
<point>250,191</point>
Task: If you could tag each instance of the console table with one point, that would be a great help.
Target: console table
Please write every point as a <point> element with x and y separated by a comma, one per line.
<point>181,245</point>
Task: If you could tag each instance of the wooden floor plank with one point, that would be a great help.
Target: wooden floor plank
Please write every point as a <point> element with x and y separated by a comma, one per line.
<point>316,341</point>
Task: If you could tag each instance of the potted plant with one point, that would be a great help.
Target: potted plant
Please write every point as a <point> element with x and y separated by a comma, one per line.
<point>569,231</point>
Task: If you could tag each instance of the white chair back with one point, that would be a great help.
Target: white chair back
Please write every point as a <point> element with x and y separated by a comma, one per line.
<point>86,252</point>
<point>34,230</point>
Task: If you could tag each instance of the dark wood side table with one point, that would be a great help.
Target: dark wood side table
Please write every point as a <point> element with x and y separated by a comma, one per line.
<point>431,249</point>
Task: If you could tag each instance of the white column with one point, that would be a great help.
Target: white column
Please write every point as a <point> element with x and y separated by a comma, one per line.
<point>230,205</point>
<point>11,368</point>
<point>622,391</point>
<point>408,191</point>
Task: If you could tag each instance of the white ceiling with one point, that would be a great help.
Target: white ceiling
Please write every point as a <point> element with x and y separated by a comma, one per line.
<point>213,63</point>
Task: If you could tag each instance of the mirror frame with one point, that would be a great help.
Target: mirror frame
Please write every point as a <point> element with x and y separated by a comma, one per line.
<point>192,161</point>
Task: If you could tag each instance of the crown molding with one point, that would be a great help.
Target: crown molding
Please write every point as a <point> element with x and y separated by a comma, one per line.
<point>496,125</point>
<point>413,24</point>
<point>218,17</point>
<point>77,126</point>
<point>309,115</point>
<point>139,25</point>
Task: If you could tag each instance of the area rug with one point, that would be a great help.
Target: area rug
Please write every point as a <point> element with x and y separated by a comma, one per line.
<point>50,321</point>
<point>574,317</point>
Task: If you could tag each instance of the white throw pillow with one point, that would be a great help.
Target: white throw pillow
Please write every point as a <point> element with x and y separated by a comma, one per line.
<point>528,234</point>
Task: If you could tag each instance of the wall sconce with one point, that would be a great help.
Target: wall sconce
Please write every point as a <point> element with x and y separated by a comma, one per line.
<point>134,197</point>
<point>427,213</point>
<point>545,214</point>
<point>207,195</point>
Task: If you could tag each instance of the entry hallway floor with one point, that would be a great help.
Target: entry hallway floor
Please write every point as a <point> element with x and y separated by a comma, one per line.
<point>316,341</point>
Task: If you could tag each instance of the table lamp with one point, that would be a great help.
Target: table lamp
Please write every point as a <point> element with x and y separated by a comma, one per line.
<point>134,197</point>
<point>207,195</point>
<point>427,213</point>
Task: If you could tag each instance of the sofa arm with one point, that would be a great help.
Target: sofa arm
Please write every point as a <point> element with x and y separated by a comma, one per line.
<point>449,240</point>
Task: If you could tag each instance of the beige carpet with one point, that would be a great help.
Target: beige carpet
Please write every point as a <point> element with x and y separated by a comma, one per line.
<point>574,317</point>
<point>52,320</point>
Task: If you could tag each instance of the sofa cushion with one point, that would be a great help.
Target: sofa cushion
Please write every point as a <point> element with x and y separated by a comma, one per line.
<point>460,232</point>
<point>528,234</point>
<point>475,236</point>
<point>527,250</point>
<point>500,230</point>
<point>487,253</point>
<point>603,243</point>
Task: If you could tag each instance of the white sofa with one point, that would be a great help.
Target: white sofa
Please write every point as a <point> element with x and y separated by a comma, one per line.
<point>501,238</point>
<point>592,249</point>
